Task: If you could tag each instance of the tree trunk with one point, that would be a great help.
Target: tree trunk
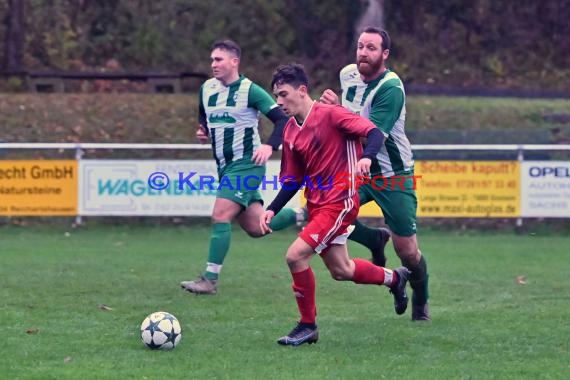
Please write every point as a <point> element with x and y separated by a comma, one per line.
<point>14,38</point>
<point>373,16</point>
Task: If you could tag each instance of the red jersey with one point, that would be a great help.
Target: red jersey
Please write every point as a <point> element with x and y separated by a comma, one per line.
<point>322,153</point>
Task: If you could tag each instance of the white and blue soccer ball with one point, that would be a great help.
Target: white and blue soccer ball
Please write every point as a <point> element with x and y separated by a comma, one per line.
<point>161,331</point>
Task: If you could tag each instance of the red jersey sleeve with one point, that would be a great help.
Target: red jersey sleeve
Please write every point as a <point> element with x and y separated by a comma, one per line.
<point>352,125</point>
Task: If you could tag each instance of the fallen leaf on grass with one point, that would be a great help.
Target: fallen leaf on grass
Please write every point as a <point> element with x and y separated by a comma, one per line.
<point>521,280</point>
<point>67,359</point>
<point>33,330</point>
<point>105,307</point>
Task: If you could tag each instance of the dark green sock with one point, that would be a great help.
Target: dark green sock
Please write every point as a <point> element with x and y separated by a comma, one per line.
<point>364,235</point>
<point>287,217</point>
<point>419,282</point>
<point>219,247</point>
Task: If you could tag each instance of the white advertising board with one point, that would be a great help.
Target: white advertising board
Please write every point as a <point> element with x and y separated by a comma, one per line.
<point>545,189</point>
<point>123,188</point>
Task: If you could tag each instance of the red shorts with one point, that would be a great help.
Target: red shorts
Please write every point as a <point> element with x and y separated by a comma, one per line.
<point>328,224</point>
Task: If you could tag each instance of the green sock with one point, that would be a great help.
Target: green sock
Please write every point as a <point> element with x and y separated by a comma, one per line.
<point>219,246</point>
<point>364,235</point>
<point>419,282</point>
<point>287,217</point>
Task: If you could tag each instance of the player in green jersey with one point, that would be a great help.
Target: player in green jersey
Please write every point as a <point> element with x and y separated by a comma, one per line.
<point>370,89</point>
<point>230,105</point>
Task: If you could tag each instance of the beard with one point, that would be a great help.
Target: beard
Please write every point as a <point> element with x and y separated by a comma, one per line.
<point>368,67</point>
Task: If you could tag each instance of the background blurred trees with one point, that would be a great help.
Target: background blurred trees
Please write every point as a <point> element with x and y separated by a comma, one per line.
<point>502,43</point>
<point>498,43</point>
<point>14,35</point>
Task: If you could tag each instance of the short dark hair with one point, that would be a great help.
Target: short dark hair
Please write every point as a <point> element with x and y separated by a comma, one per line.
<point>386,42</point>
<point>293,74</point>
<point>228,45</point>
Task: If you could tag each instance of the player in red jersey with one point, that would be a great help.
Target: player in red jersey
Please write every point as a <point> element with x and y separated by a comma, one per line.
<point>322,152</point>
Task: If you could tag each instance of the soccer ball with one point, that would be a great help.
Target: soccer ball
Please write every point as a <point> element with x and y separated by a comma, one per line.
<point>161,330</point>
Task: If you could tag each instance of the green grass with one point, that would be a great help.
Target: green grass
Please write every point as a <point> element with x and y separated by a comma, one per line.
<point>480,113</point>
<point>485,325</point>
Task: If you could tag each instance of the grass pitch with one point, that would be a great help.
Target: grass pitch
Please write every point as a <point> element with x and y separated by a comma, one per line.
<point>499,304</point>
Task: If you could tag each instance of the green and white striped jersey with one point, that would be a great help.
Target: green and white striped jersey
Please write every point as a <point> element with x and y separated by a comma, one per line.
<point>232,114</point>
<point>383,101</point>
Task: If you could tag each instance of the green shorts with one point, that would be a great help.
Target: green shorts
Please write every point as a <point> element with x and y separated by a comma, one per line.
<point>240,182</point>
<point>399,203</point>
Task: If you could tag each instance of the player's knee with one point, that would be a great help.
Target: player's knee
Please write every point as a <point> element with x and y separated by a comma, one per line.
<point>409,257</point>
<point>292,260</point>
<point>295,261</point>
<point>407,250</point>
<point>224,215</point>
<point>221,218</point>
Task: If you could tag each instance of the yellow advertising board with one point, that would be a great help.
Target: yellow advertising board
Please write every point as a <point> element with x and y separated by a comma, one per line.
<point>464,189</point>
<point>468,189</point>
<point>38,188</point>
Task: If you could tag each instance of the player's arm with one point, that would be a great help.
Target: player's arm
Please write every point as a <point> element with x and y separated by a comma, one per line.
<point>354,126</point>
<point>202,132</point>
<point>202,118</point>
<point>285,194</point>
<point>279,119</point>
<point>386,107</point>
<point>375,138</point>
<point>262,101</point>
<point>291,177</point>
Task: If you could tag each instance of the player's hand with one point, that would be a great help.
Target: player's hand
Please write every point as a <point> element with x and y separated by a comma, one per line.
<point>202,135</point>
<point>329,97</point>
<point>363,167</point>
<point>262,154</point>
<point>264,221</point>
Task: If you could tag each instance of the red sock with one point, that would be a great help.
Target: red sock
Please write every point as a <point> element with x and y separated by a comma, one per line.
<point>367,273</point>
<point>304,290</point>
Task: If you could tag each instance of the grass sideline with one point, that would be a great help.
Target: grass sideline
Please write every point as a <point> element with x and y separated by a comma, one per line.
<point>485,324</point>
